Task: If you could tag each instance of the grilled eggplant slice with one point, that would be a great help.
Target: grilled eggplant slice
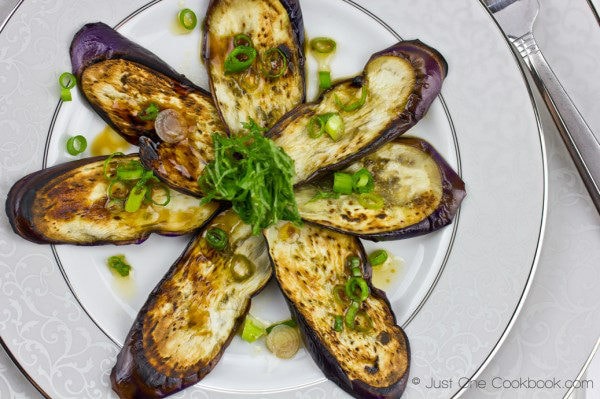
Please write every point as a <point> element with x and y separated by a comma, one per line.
<point>401,82</point>
<point>309,263</point>
<point>67,204</point>
<point>191,316</point>
<point>120,80</point>
<point>420,190</point>
<point>271,25</point>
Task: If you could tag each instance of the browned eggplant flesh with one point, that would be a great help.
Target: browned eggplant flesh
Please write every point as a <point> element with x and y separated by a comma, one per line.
<point>310,264</point>
<point>193,313</point>
<point>397,85</point>
<point>417,189</point>
<point>69,203</point>
<point>272,37</point>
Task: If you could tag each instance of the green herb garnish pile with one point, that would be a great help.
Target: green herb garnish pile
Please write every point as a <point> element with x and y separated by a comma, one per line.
<point>255,175</point>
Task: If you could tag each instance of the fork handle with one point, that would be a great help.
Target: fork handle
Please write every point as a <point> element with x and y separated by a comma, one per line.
<point>576,134</point>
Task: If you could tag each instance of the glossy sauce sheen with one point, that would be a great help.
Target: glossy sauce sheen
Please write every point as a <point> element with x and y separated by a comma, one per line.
<point>308,266</point>
<point>67,204</point>
<point>124,89</point>
<point>268,24</point>
<point>191,316</point>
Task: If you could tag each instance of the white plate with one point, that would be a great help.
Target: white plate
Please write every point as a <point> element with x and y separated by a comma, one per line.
<point>456,296</point>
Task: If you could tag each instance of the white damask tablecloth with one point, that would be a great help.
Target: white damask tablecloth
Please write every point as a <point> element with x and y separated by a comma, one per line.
<point>560,321</point>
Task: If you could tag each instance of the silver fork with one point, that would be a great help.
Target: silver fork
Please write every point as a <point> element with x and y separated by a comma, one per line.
<point>516,18</point>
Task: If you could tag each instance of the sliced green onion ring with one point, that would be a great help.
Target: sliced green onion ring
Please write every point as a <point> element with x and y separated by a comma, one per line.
<point>352,262</point>
<point>133,170</point>
<point>217,238</point>
<point>187,18</point>
<point>239,59</point>
<point>253,329</point>
<point>76,145</point>
<point>67,80</point>
<point>362,322</point>
<point>362,181</point>
<point>324,80</point>
<point>65,95</point>
<point>242,40</point>
<point>335,126</point>
<point>289,323</point>
<point>135,198</point>
<point>241,268</point>
<point>159,187</point>
<point>352,106</point>
<point>115,183</point>
<point>150,113</point>
<point>357,289</point>
<point>350,316</point>
<point>342,183</point>
<point>371,201</point>
<point>378,257</point>
<point>315,127</point>
<point>356,272</point>
<point>323,45</point>
<point>274,63</point>
<point>339,294</point>
<point>107,162</point>
<point>338,323</point>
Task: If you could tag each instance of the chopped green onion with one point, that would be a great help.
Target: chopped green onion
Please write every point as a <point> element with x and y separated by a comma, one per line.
<point>135,198</point>
<point>107,162</point>
<point>324,195</point>
<point>241,267</point>
<point>350,316</point>
<point>357,289</point>
<point>161,187</point>
<point>378,257</point>
<point>120,187</point>
<point>339,294</point>
<point>335,127</point>
<point>217,238</point>
<point>133,170</point>
<point>119,265</point>
<point>324,80</point>
<point>323,45</point>
<point>65,95</point>
<point>76,145</point>
<point>362,181</point>
<point>274,63</point>
<point>315,127</point>
<point>362,322</point>
<point>252,329</point>
<point>67,80</point>
<point>353,106</point>
<point>150,113</point>
<point>342,183</point>
<point>239,59</point>
<point>338,323</point>
<point>356,272</point>
<point>289,323</point>
<point>283,341</point>
<point>352,262</point>
<point>371,201</point>
<point>187,18</point>
<point>242,40</point>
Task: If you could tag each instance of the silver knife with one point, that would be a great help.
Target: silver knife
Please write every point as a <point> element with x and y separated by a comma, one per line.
<point>516,18</point>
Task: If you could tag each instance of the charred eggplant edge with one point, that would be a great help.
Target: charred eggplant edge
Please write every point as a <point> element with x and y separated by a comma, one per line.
<point>97,42</point>
<point>297,23</point>
<point>431,69</point>
<point>453,192</point>
<point>133,351</point>
<point>21,196</point>
<point>327,362</point>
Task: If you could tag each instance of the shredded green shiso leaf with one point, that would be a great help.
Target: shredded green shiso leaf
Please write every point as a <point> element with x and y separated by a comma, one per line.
<point>255,175</point>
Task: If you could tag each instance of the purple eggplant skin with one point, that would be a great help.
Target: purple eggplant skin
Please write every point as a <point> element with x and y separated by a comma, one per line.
<point>452,193</point>
<point>430,69</point>
<point>174,342</point>
<point>97,42</point>
<point>272,98</point>
<point>52,206</point>
<point>297,271</point>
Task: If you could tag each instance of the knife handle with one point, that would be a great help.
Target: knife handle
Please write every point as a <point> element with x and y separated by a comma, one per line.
<point>576,134</point>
